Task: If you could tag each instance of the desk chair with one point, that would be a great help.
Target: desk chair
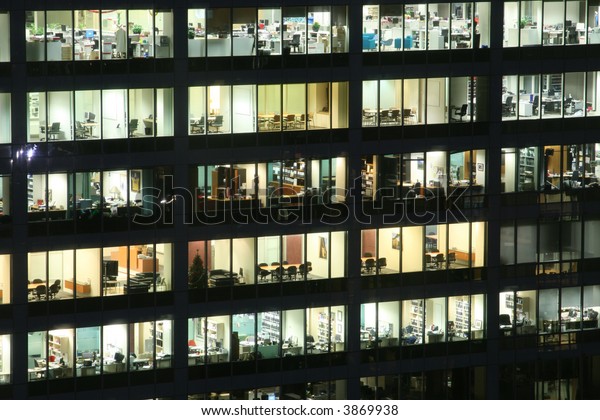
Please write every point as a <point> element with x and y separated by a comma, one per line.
<point>428,261</point>
<point>508,108</point>
<point>217,123</point>
<point>198,126</point>
<point>386,43</point>
<point>310,343</point>
<point>54,289</point>
<point>133,125</point>
<point>80,131</point>
<point>369,265</point>
<point>295,42</point>
<point>381,263</point>
<point>461,112</point>
<point>262,273</point>
<point>384,116</point>
<point>292,272</point>
<point>439,260</point>
<point>395,115</point>
<point>368,118</point>
<point>407,115</point>
<point>535,104</point>
<point>54,131</point>
<point>275,122</point>
<point>451,259</point>
<point>504,321</point>
<point>290,121</point>
<point>41,291</point>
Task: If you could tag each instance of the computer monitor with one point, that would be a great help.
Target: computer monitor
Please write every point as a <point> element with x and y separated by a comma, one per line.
<point>147,124</point>
<point>568,23</point>
<point>251,30</point>
<point>436,23</point>
<point>39,363</point>
<point>84,204</point>
<point>91,116</point>
<point>89,33</point>
<point>111,268</point>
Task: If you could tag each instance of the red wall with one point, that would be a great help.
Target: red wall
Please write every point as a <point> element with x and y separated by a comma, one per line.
<point>368,242</point>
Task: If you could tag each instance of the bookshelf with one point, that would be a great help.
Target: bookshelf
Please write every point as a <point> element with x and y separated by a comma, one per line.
<point>368,178</point>
<point>416,316</point>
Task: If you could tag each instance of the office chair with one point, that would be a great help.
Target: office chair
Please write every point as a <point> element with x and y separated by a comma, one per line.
<point>54,131</point>
<point>369,265</point>
<point>384,116</point>
<point>395,115</point>
<point>133,125</point>
<point>504,320</point>
<point>295,42</point>
<point>292,272</point>
<point>278,274</point>
<point>290,121</point>
<point>535,104</point>
<point>381,263</point>
<point>275,122</point>
<point>439,260</point>
<point>198,126</point>
<point>217,123</point>
<point>80,131</point>
<point>451,259</point>
<point>310,343</point>
<point>462,111</point>
<point>507,107</point>
<point>386,43</point>
<point>406,115</point>
<point>54,289</point>
<point>428,261</point>
<point>41,291</point>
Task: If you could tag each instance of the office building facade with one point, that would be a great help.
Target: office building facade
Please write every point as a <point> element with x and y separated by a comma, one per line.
<point>299,201</point>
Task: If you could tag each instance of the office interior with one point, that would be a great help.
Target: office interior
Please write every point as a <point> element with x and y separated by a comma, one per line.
<point>560,172</point>
<point>95,114</point>
<point>412,175</point>
<point>268,259</point>
<point>422,101</point>
<point>266,335</point>
<point>436,26</point>
<point>92,272</point>
<point>295,182</point>
<point>547,96</point>
<point>66,35</point>
<point>88,196</point>
<point>5,359</point>
<point>224,32</point>
<point>5,276</point>
<point>551,23</point>
<point>422,321</point>
<point>4,36</point>
<point>549,311</point>
<point>252,108</point>
<point>5,200</point>
<point>423,248</point>
<point>89,351</point>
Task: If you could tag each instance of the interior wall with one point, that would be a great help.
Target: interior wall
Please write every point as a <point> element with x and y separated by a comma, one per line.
<point>412,249</point>
<point>87,268</point>
<point>338,254</point>
<point>5,126</point>
<point>5,278</point>
<point>386,250</point>
<point>58,185</point>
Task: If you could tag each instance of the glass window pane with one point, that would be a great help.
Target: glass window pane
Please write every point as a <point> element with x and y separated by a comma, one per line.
<point>319,30</point>
<point>413,318</point>
<point>87,272</point>
<point>60,116</point>
<point>218,30</point>
<point>87,114</point>
<point>87,350</point>
<point>196,32</point>
<point>269,31</point>
<point>114,348</point>
<point>525,313</point>
<point>114,111</point>
<point>268,329</point>
<point>114,30</point>
<point>244,331</point>
<point>244,109</point>
<point>388,322</point>
<point>35,28</point>
<point>197,109</point>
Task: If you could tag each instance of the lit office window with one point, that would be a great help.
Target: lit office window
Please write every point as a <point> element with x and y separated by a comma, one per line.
<point>5,279</point>
<point>5,359</point>
<point>5,111</point>
<point>115,349</point>
<point>4,36</point>
<point>152,345</point>
<point>87,348</point>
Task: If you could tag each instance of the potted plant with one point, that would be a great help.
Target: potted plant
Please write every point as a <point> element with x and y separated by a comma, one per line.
<point>137,29</point>
<point>316,26</point>
<point>191,33</point>
<point>197,275</point>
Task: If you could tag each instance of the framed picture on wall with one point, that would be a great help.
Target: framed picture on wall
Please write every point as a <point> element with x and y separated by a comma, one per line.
<point>135,180</point>
<point>395,241</point>
<point>339,316</point>
<point>322,247</point>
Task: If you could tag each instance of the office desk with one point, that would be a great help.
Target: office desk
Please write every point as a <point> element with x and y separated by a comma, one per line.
<point>89,127</point>
<point>86,371</point>
<point>141,363</point>
<point>291,351</point>
<point>525,109</point>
